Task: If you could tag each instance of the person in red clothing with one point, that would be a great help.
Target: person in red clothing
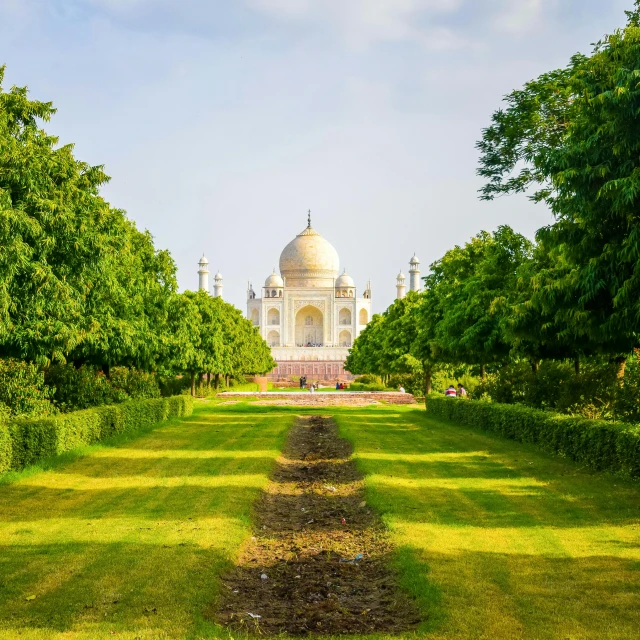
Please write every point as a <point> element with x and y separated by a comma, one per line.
<point>451,392</point>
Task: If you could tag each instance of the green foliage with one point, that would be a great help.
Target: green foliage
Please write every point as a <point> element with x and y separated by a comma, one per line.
<point>470,293</point>
<point>23,390</point>
<point>31,440</point>
<point>171,385</point>
<point>368,378</point>
<point>78,281</point>
<point>572,135</point>
<point>210,335</point>
<point>83,388</point>
<point>136,384</point>
<point>359,386</point>
<point>599,444</point>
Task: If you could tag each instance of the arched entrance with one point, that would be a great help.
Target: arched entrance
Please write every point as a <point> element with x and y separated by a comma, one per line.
<point>309,327</point>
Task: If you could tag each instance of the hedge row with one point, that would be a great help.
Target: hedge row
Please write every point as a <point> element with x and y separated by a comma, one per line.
<point>25,442</point>
<point>598,444</point>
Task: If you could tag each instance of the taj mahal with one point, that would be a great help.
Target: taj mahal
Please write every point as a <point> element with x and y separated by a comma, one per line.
<point>309,313</point>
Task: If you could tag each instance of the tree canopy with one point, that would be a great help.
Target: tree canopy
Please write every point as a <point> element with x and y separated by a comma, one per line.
<point>80,283</point>
<point>571,136</point>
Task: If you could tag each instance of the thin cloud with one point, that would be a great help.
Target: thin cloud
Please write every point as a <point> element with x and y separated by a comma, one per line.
<point>518,16</point>
<point>362,23</point>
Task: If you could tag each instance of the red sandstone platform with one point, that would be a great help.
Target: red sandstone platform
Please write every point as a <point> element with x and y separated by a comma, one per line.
<point>353,398</point>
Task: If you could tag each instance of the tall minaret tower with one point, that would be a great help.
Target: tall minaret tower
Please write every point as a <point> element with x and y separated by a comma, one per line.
<point>414,274</point>
<point>217,285</point>
<point>203,274</point>
<point>400,286</point>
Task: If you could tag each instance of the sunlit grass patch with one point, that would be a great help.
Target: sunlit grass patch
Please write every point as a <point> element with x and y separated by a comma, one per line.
<point>131,539</point>
<point>498,540</point>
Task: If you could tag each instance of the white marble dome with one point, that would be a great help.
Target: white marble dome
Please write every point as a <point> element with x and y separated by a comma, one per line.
<point>309,256</point>
<point>274,280</point>
<point>344,280</point>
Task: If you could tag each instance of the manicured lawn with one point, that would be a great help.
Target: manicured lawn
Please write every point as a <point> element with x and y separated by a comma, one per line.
<point>130,539</point>
<point>496,540</point>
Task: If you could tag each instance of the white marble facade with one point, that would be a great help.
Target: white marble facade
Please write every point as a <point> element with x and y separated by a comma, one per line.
<point>308,312</point>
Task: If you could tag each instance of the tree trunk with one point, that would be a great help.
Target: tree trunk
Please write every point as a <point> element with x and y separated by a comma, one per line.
<point>226,380</point>
<point>576,365</point>
<point>483,371</point>
<point>427,382</point>
<point>622,365</point>
<point>216,380</point>
<point>106,369</point>
<point>193,383</point>
<point>208,380</point>
<point>534,367</point>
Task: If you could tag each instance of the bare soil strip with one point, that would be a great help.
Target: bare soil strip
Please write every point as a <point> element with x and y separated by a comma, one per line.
<point>319,560</point>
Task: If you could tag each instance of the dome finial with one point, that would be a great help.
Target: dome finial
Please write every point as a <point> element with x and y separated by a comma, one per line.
<point>309,219</point>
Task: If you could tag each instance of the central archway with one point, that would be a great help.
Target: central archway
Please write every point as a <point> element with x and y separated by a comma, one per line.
<point>309,327</point>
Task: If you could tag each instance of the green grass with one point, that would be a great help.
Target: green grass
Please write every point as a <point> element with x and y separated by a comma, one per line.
<point>495,539</point>
<point>131,539</point>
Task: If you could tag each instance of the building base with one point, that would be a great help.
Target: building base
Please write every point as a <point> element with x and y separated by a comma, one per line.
<point>313,370</point>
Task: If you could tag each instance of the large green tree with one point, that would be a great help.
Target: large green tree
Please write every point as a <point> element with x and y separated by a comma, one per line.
<point>468,299</point>
<point>78,281</point>
<point>572,137</point>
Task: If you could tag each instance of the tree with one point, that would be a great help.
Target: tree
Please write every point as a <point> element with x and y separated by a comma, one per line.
<point>572,136</point>
<point>78,281</point>
<point>470,293</point>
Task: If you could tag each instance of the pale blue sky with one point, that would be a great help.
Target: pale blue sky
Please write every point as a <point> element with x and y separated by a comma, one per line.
<point>221,123</point>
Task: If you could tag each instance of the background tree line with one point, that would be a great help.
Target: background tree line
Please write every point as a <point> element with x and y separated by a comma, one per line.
<point>564,309</point>
<point>81,286</point>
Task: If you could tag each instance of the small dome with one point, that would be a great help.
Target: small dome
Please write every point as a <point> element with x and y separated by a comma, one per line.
<point>274,280</point>
<point>218,276</point>
<point>414,260</point>
<point>401,276</point>
<point>203,260</point>
<point>344,281</point>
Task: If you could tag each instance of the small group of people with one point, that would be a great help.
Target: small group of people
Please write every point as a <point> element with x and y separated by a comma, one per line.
<point>313,387</point>
<point>340,385</point>
<point>452,393</point>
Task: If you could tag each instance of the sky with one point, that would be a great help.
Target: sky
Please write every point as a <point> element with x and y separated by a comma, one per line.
<point>222,122</point>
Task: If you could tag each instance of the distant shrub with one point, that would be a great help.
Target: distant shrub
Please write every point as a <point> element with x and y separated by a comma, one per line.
<point>357,386</point>
<point>368,378</point>
<point>171,385</point>
<point>136,384</point>
<point>26,441</point>
<point>82,388</point>
<point>599,444</point>
<point>23,391</point>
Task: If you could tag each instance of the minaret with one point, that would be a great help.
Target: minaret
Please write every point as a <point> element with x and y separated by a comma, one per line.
<point>367,291</point>
<point>400,286</point>
<point>414,274</point>
<point>203,274</point>
<point>217,285</point>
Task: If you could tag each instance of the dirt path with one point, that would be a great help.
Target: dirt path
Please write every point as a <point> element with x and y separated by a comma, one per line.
<point>319,558</point>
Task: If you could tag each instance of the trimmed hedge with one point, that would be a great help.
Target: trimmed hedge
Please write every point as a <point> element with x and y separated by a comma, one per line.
<point>601,445</point>
<point>24,442</point>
